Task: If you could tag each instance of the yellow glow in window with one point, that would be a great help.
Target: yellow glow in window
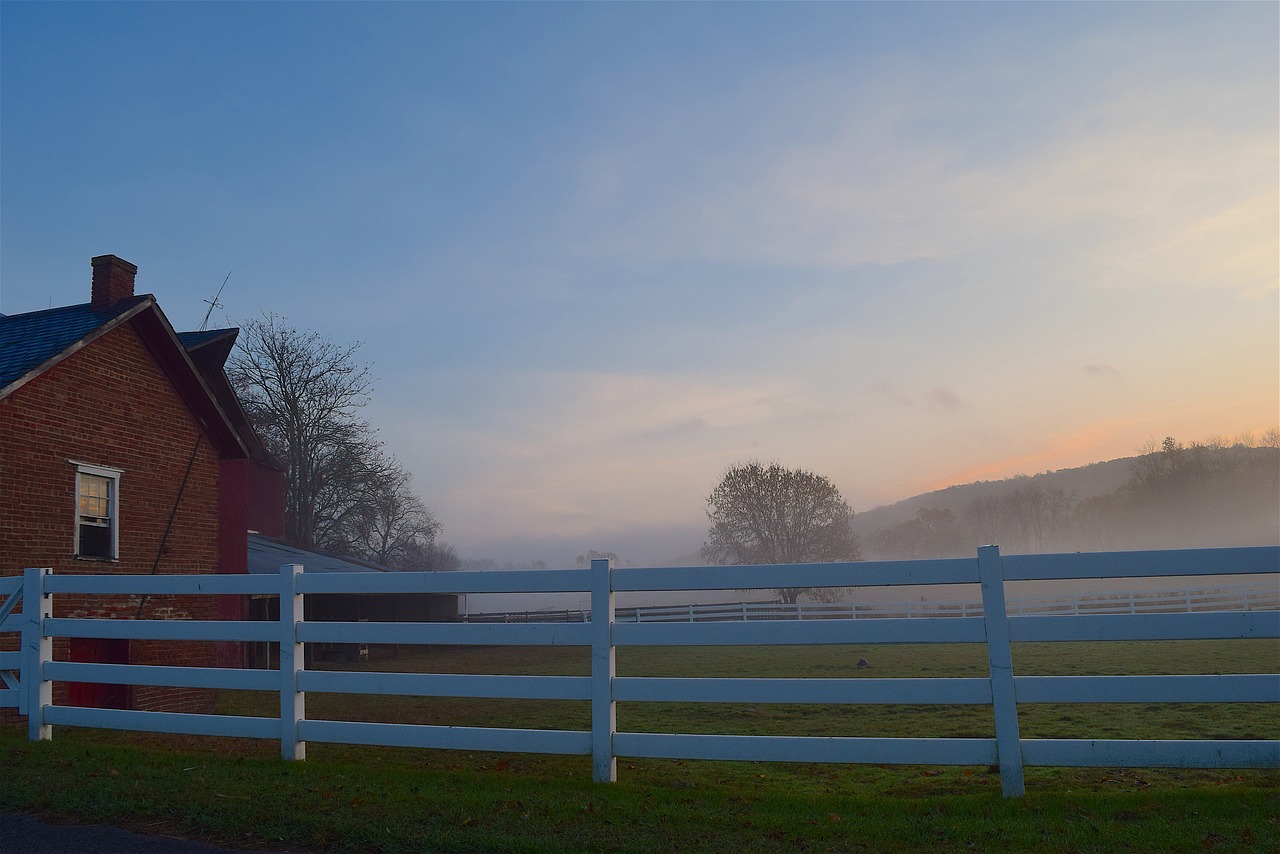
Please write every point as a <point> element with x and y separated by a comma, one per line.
<point>95,497</point>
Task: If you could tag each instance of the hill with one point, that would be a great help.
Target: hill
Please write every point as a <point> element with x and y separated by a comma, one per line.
<point>1201,496</point>
<point>1093,479</point>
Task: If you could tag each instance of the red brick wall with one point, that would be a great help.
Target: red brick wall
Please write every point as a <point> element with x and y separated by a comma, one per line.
<point>110,404</point>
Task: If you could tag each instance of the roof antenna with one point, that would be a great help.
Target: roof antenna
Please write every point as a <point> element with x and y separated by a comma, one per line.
<point>213,303</point>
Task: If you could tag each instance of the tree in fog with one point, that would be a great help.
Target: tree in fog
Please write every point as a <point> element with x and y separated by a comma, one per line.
<point>1040,515</point>
<point>934,532</point>
<point>434,556</point>
<point>1213,493</point>
<point>1028,518</point>
<point>303,394</point>
<point>1098,522</point>
<point>769,514</point>
<point>987,519</point>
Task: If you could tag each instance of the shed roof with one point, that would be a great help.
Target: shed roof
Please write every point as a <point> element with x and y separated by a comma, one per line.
<point>268,554</point>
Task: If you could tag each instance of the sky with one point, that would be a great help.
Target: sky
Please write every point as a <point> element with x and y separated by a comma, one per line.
<point>598,253</point>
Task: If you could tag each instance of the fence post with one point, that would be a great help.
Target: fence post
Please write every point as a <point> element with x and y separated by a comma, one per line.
<point>35,691</point>
<point>293,703</point>
<point>604,711</point>
<point>1000,661</point>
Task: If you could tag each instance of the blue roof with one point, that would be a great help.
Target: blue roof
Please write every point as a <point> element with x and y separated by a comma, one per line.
<point>191,340</point>
<point>29,340</point>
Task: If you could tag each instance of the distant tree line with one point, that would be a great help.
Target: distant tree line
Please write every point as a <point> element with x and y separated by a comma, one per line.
<point>488,563</point>
<point>1205,494</point>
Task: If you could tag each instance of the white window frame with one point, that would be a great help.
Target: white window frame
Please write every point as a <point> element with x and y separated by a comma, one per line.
<point>112,475</point>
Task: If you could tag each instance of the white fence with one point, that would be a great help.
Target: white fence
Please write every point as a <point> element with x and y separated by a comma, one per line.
<point>1001,690</point>
<point>1239,597</point>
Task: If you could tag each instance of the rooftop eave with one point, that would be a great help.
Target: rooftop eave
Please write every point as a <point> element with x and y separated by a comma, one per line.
<point>204,406</point>
<point>82,342</point>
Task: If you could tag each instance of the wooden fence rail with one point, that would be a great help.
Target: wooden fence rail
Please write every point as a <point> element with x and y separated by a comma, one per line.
<point>29,674</point>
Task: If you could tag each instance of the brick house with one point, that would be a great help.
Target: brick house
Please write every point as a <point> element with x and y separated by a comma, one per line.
<point>124,450</point>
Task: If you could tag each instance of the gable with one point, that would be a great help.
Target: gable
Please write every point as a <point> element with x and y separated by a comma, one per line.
<point>110,385</point>
<point>33,344</point>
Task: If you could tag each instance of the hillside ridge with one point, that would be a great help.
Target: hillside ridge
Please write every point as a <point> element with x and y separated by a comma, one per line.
<point>1091,479</point>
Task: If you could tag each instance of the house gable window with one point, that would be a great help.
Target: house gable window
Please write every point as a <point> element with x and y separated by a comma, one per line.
<point>97,512</point>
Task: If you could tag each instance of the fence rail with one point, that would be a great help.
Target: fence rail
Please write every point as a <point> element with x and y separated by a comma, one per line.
<point>1240,597</point>
<point>30,674</point>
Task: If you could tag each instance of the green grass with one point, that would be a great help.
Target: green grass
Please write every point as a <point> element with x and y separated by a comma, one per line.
<point>383,799</point>
<point>390,802</point>
<point>1188,720</point>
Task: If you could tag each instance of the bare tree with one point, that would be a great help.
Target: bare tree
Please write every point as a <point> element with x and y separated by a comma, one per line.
<point>1098,521</point>
<point>419,556</point>
<point>304,394</point>
<point>987,518</point>
<point>769,514</point>
<point>394,520</point>
<point>934,532</point>
<point>1038,515</point>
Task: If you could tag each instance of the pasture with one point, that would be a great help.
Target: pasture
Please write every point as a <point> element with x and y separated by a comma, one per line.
<point>346,798</point>
<point>1148,720</point>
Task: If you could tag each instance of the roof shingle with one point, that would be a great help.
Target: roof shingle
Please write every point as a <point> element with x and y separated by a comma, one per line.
<point>29,340</point>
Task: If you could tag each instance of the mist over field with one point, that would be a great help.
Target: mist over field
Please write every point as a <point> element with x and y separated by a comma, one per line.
<point>1210,494</point>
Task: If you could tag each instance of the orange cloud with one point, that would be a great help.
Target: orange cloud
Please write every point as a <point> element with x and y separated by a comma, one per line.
<point>1089,444</point>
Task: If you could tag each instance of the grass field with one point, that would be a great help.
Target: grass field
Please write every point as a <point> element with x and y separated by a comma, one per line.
<point>383,799</point>
<point>1250,721</point>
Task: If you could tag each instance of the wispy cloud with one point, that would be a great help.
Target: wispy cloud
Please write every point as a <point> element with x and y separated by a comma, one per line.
<point>945,400</point>
<point>1101,372</point>
<point>890,392</point>
<point>1110,201</point>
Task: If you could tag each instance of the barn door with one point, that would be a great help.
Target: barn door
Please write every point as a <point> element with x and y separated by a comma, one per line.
<point>99,695</point>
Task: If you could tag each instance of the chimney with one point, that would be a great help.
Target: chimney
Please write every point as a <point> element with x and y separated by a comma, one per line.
<point>112,281</point>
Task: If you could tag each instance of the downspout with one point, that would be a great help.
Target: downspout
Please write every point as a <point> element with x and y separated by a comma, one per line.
<point>173,512</point>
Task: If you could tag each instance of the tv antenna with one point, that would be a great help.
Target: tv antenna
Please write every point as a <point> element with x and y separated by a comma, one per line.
<point>213,303</point>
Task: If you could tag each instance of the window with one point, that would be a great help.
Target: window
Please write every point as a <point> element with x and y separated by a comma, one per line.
<point>97,512</point>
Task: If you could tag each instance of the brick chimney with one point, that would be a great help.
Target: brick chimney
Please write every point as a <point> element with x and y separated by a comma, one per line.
<point>112,280</point>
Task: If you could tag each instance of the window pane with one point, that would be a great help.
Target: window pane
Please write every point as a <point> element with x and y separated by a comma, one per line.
<point>94,522</point>
<point>95,541</point>
<point>95,496</point>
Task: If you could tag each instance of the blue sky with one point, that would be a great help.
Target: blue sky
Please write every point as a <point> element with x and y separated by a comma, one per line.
<point>599,252</point>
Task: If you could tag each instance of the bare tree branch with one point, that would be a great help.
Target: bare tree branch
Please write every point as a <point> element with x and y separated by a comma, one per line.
<point>343,493</point>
